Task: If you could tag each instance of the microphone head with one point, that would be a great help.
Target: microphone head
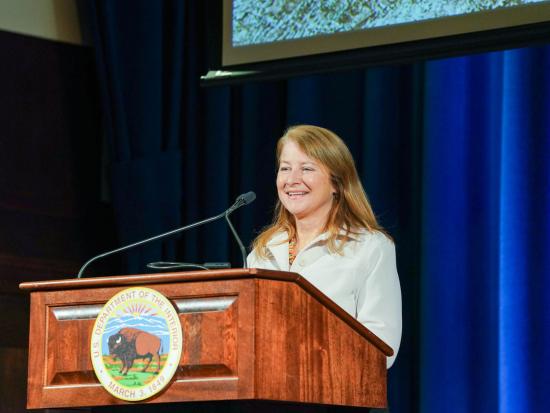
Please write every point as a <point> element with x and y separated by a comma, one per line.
<point>247,198</point>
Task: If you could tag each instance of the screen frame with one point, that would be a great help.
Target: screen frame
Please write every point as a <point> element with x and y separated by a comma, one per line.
<point>472,24</point>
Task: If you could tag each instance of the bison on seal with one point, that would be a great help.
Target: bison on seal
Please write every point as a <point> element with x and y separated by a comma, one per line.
<point>130,344</point>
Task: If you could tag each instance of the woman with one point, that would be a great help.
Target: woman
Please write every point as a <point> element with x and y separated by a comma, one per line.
<point>325,230</point>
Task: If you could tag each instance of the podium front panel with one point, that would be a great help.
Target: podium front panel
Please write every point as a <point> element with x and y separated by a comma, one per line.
<point>217,320</point>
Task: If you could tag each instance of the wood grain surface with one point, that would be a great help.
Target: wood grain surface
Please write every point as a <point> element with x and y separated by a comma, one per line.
<point>192,276</point>
<point>309,355</point>
<point>247,335</point>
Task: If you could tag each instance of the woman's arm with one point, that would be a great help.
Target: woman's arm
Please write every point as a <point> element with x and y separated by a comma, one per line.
<point>379,292</point>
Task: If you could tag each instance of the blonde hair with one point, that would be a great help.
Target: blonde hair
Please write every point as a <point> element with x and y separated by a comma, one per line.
<point>351,210</point>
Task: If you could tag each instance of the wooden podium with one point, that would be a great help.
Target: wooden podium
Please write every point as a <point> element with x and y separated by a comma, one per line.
<point>248,334</point>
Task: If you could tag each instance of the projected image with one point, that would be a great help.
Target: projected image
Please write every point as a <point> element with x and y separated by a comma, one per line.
<point>268,21</point>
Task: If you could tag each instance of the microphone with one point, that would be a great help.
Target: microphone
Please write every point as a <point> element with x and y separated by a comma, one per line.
<point>243,199</point>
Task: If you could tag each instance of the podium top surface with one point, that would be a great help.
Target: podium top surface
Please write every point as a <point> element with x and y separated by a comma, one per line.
<point>210,275</point>
<point>158,278</point>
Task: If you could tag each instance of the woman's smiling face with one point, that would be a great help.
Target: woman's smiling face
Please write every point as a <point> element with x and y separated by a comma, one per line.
<point>303,184</point>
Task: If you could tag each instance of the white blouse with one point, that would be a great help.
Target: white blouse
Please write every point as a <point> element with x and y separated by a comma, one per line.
<point>363,281</point>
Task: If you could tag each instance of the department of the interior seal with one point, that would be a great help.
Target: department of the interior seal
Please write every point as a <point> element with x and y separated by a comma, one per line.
<point>136,344</point>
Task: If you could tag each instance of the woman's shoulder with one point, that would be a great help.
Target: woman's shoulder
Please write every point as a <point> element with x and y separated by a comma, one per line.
<point>367,235</point>
<point>372,240</point>
<point>278,238</point>
<point>370,248</point>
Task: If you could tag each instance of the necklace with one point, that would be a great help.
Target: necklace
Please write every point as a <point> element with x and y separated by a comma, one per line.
<point>291,251</point>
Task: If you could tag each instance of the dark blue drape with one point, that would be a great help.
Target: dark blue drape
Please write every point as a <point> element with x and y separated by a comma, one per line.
<point>139,51</point>
<point>484,321</point>
<point>455,156</point>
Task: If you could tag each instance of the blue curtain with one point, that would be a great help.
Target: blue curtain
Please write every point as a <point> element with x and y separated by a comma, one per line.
<point>139,53</point>
<point>484,320</point>
<point>455,156</point>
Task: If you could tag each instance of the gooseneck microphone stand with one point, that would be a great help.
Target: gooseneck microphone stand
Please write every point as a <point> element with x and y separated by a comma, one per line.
<point>241,200</point>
